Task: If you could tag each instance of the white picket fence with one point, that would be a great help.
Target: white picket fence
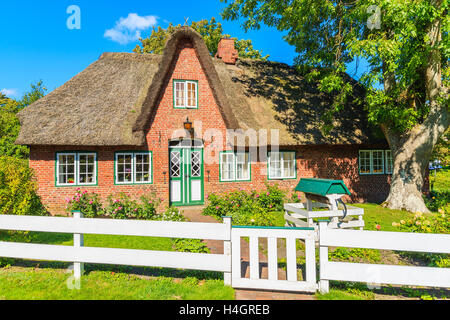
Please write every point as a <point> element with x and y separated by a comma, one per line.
<point>80,254</point>
<point>230,262</point>
<point>376,273</point>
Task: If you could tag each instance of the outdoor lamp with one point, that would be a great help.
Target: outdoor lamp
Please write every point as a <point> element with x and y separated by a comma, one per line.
<point>187,125</point>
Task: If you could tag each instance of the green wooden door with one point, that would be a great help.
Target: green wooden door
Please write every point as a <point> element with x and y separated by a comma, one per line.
<point>186,176</point>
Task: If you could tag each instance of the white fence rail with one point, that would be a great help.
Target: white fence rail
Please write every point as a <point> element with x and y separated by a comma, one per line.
<point>230,262</point>
<point>80,254</point>
<point>273,283</point>
<point>382,274</point>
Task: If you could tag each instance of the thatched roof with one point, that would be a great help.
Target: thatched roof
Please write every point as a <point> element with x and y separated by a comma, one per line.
<point>112,101</point>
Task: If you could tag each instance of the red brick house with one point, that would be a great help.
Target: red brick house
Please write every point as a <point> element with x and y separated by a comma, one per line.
<point>147,123</point>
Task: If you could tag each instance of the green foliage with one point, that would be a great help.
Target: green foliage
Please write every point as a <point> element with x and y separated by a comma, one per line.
<point>438,200</point>
<point>190,245</point>
<point>328,35</point>
<point>9,123</point>
<point>9,130</point>
<point>254,209</point>
<point>37,91</point>
<point>172,214</point>
<point>430,223</point>
<point>211,32</point>
<point>18,188</point>
<point>433,223</point>
<point>118,206</point>
<point>356,255</point>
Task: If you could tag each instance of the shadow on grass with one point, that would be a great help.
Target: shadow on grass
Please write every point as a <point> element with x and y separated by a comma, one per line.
<point>388,292</point>
<point>140,271</point>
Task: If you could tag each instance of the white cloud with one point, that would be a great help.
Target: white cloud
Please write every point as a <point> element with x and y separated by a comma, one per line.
<point>129,29</point>
<point>9,92</point>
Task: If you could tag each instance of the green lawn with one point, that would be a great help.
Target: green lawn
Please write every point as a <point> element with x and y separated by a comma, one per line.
<point>22,279</point>
<point>440,183</point>
<point>49,284</point>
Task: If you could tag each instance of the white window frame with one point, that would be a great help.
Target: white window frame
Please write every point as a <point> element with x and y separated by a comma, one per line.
<point>388,157</point>
<point>133,167</point>
<point>371,162</point>
<point>76,169</point>
<point>281,159</point>
<point>233,176</point>
<point>185,104</point>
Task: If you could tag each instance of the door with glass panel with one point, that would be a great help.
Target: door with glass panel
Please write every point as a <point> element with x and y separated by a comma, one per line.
<point>186,176</point>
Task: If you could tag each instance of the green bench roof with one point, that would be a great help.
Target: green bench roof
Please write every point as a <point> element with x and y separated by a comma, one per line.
<point>322,187</point>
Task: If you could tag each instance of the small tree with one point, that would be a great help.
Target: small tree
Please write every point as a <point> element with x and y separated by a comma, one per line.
<point>9,123</point>
<point>211,32</point>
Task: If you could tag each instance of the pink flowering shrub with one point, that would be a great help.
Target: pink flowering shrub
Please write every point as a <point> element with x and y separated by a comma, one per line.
<point>88,203</point>
<point>117,206</point>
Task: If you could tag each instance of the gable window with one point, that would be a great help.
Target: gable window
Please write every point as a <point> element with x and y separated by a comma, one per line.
<point>371,161</point>
<point>234,166</point>
<point>389,162</point>
<point>133,167</point>
<point>76,169</point>
<point>185,94</point>
<point>282,165</point>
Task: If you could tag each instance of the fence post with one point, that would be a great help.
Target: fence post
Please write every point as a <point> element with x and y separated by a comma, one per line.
<point>78,241</point>
<point>227,251</point>
<point>324,285</point>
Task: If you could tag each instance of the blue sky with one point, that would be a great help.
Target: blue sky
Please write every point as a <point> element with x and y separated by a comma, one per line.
<point>37,44</point>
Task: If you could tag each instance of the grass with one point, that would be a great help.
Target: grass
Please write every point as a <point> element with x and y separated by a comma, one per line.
<point>42,280</point>
<point>49,284</point>
<point>91,240</point>
<point>440,183</point>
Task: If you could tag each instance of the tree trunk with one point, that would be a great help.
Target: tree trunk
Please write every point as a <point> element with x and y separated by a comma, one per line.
<point>412,150</point>
<point>411,153</point>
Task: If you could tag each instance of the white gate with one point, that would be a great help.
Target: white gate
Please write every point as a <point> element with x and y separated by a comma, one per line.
<point>254,281</point>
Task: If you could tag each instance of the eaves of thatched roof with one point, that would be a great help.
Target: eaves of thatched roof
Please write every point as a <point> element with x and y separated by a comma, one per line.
<point>112,101</point>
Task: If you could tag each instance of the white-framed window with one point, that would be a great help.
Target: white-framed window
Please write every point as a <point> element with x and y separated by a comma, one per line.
<point>76,168</point>
<point>185,94</point>
<point>371,161</point>
<point>389,162</point>
<point>235,166</point>
<point>133,167</point>
<point>282,165</point>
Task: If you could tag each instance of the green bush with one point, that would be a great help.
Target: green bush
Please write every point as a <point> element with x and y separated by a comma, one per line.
<point>256,208</point>
<point>272,198</point>
<point>431,223</point>
<point>438,199</point>
<point>172,214</point>
<point>88,203</point>
<point>18,188</point>
<point>426,223</point>
<point>118,206</point>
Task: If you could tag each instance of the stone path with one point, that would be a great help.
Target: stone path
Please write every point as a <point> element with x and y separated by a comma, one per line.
<point>216,246</point>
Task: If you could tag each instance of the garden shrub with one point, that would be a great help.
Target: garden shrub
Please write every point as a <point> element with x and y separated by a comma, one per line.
<point>88,203</point>
<point>18,188</point>
<point>431,223</point>
<point>118,206</point>
<point>438,199</point>
<point>172,214</point>
<point>255,208</point>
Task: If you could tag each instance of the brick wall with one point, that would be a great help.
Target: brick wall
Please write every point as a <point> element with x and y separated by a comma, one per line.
<point>337,162</point>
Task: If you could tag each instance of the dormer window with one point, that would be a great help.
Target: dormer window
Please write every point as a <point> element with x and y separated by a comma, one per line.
<point>185,94</point>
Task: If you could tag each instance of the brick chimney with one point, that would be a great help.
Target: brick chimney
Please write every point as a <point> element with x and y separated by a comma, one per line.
<point>226,51</point>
